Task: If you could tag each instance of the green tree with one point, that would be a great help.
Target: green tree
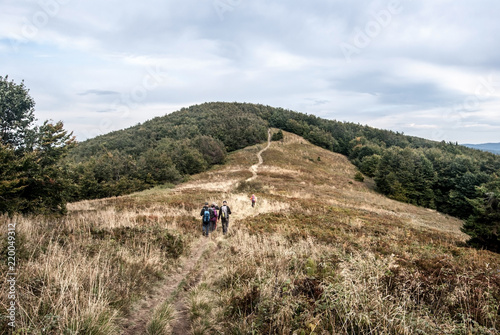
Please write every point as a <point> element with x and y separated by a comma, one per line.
<point>212,150</point>
<point>32,180</point>
<point>320,138</point>
<point>156,167</point>
<point>47,182</point>
<point>188,160</point>
<point>12,179</point>
<point>406,175</point>
<point>16,115</point>
<point>369,165</point>
<point>278,136</point>
<point>483,226</point>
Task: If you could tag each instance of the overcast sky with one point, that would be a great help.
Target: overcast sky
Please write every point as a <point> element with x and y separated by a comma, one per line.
<point>428,68</point>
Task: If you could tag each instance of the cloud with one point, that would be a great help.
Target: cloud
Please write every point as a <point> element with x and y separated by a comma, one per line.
<point>420,68</point>
<point>98,92</point>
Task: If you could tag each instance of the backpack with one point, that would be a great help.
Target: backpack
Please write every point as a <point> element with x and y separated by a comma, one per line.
<point>214,215</point>
<point>207,215</point>
<point>223,212</point>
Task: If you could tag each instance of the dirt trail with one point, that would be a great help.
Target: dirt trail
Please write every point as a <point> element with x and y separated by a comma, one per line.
<point>145,309</point>
<point>254,167</point>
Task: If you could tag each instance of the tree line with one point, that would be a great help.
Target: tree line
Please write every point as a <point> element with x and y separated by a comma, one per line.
<point>162,150</point>
<point>42,167</point>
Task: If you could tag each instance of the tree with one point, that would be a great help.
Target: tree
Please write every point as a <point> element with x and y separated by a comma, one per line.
<point>320,138</point>
<point>32,180</point>
<point>156,167</point>
<point>188,160</point>
<point>16,114</point>
<point>369,165</point>
<point>213,150</point>
<point>278,136</point>
<point>406,175</point>
<point>12,180</point>
<point>483,226</point>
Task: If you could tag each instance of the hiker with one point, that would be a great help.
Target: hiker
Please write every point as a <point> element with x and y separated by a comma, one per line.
<point>213,219</point>
<point>254,199</point>
<point>224,216</point>
<point>206,214</point>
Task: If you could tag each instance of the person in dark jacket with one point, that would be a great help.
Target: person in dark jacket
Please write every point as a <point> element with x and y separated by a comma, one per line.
<point>206,214</point>
<point>224,216</point>
<point>213,220</point>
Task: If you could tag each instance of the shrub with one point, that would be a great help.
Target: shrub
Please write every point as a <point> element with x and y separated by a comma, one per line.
<point>359,177</point>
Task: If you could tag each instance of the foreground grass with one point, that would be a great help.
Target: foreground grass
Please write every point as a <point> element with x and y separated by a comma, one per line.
<point>270,283</point>
<point>80,274</point>
<point>161,322</point>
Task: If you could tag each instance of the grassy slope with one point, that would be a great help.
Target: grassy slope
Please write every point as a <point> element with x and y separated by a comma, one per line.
<point>320,253</point>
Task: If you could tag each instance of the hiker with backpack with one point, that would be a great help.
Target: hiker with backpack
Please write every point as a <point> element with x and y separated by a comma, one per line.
<point>224,216</point>
<point>254,200</point>
<point>213,219</point>
<point>206,214</point>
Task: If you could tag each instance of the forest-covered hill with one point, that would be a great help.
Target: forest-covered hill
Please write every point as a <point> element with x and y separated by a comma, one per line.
<point>451,178</point>
<point>43,169</point>
<point>165,149</point>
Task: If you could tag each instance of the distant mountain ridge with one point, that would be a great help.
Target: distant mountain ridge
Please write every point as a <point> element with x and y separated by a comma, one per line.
<point>490,147</point>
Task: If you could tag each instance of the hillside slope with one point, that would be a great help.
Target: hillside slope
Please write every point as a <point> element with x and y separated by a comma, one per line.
<point>320,253</point>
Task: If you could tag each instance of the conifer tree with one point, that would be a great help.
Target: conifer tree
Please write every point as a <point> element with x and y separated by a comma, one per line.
<point>484,225</point>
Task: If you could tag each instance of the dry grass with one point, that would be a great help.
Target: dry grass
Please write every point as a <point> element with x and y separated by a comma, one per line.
<point>271,284</point>
<point>80,273</point>
<point>162,320</point>
<point>319,254</point>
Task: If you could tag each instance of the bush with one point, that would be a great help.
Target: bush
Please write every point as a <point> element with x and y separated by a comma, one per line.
<point>277,136</point>
<point>359,177</point>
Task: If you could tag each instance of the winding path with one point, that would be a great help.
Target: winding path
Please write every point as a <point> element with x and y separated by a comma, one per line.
<point>254,167</point>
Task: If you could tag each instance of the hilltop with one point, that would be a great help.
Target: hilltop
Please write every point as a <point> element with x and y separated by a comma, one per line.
<point>321,253</point>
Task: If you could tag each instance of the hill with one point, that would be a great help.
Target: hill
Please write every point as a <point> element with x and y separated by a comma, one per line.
<point>320,253</point>
<point>490,147</point>
<point>447,177</point>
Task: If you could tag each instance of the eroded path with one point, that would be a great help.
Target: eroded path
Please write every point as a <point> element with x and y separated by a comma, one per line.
<point>144,310</point>
<point>254,167</point>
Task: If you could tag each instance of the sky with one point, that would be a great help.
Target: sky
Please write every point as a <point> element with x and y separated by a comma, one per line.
<point>428,68</point>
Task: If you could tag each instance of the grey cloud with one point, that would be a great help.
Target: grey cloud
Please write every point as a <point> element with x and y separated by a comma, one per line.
<point>109,110</point>
<point>98,92</point>
<point>228,51</point>
<point>393,90</point>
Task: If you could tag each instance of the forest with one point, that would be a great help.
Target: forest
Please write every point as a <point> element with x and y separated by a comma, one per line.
<point>43,167</point>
